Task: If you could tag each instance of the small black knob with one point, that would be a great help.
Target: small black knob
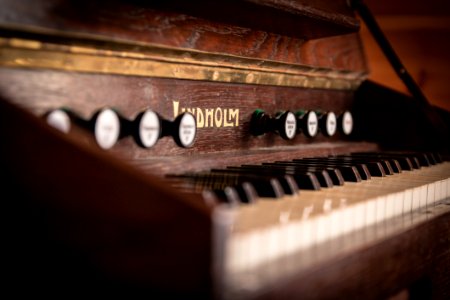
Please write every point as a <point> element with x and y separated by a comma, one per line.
<point>307,122</point>
<point>327,123</point>
<point>284,124</point>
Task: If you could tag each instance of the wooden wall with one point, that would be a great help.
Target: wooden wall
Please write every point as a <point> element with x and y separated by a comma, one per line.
<point>419,32</point>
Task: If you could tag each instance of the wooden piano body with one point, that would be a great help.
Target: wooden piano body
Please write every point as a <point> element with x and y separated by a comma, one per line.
<point>83,219</point>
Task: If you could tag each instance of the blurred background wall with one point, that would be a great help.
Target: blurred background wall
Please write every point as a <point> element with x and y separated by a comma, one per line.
<point>419,32</point>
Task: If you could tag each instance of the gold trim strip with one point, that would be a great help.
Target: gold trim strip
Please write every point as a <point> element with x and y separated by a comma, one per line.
<point>155,61</point>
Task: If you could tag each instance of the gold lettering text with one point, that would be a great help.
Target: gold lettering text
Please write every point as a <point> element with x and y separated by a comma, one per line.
<point>200,118</point>
<point>218,116</point>
<point>176,105</point>
<point>234,115</point>
<point>209,117</point>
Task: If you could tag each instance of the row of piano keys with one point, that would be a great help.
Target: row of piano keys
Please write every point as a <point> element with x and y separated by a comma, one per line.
<point>278,209</point>
<point>248,182</point>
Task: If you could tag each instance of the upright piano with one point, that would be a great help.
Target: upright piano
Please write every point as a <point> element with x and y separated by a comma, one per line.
<point>213,149</point>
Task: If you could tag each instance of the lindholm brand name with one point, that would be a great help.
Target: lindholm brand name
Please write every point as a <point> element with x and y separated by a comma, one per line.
<point>210,117</point>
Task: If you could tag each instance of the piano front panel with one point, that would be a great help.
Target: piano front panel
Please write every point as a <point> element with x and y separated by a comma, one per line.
<point>223,111</point>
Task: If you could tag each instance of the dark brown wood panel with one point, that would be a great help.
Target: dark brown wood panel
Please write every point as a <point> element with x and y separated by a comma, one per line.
<point>43,90</point>
<point>294,18</point>
<point>146,24</point>
<point>79,219</point>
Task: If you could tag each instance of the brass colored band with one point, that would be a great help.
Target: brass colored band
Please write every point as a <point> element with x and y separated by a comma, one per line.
<point>122,58</point>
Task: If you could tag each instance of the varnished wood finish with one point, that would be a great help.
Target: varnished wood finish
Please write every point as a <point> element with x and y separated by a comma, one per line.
<point>106,56</point>
<point>167,27</point>
<point>42,91</point>
<point>292,18</point>
<point>81,219</point>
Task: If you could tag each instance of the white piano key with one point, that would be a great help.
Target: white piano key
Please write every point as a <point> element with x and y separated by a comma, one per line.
<point>437,191</point>
<point>235,256</point>
<point>416,198</point>
<point>273,241</point>
<point>430,194</point>
<point>390,204</point>
<point>371,211</point>
<point>253,243</point>
<point>423,196</point>
<point>407,200</point>
<point>313,218</point>
<point>291,237</point>
<point>359,216</point>
<point>448,188</point>
<point>336,219</point>
<point>306,234</point>
<point>349,215</point>
<point>322,228</point>
<point>398,204</point>
<point>380,208</point>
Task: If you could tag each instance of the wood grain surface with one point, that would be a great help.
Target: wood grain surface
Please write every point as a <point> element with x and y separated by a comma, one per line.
<point>168,27</point>
<point>42,91</point>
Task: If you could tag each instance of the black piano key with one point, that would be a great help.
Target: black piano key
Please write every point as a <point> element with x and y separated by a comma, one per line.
<point>228,195</point>
<point>287,182</point>
<point>377,167</point>
<point>438,157</point>
<point>387,167</point>
<point>322,175</point>
<point>266,186</point>
<point>432,158</point>
<point>415,162</point>
<point>348,172</point>
<point>426,159</point>
<point>363,172</point>
<point>336,176</point>
<point>362,168</point>
<point>246,192</point>
<point>395,165</point>
<point>334,173</point>
<point>305,180</point>
<point>401,161</point>
<point>423,158</point>
<point>243,193</point>
<point>405,163</point>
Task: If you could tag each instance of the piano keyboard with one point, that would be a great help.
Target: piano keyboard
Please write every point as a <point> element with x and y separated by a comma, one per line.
<point>275,210</point>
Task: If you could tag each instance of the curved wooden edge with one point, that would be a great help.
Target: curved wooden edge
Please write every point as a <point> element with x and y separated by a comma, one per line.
<point>82,218</point>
